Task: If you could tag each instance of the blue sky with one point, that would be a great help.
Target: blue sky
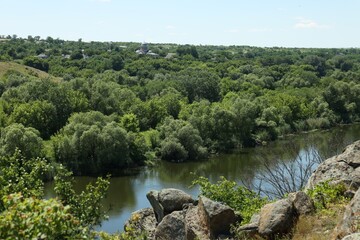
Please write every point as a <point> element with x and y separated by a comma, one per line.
<point>264,23</point>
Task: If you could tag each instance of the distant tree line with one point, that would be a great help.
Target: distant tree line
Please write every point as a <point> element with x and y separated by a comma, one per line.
<point>112,109</point>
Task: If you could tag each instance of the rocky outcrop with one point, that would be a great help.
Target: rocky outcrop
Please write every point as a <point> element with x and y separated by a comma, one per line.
<point>167,200</point>
<point>343,168</point>
<point>252,227</point>
<point>144,221</point>
<point>176,215</point>
<point>171,227</point>
<point>194,228</point>
<point>216,217</point>
<point>276,218</point>
<point>351,220</point>
<point>302,203</point>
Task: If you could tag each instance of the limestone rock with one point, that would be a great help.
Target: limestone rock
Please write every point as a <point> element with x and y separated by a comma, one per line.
<point>193,227</point>
<point>276,218</point>
<point>351,220</point>
<point>153,197</point>
<point>168,200</point>
<point>343,168</point>
<point>216,217</point>
<point>173,199</point>
<point>302,203</point>
<point>355,236</point>
<point>252,227</point>
<point>143,220</point>
<point>171,227</point>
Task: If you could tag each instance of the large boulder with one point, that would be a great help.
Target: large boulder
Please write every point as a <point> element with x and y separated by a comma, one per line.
<point>276,218</point>
<point>143,220</point>
<point>302,203</point>
<point>216,217</point>
<point>355,236</point>
<point>193,227</point>
<point>252,227</point>
<point>343,168</point>
<point>173,199</point>
<point>171,227</point>
<point>153,197</point>
<point>351,220</point>
<point>168,200</point>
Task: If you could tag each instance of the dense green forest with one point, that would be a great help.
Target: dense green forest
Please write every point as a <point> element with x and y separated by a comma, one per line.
<point>100,107</point>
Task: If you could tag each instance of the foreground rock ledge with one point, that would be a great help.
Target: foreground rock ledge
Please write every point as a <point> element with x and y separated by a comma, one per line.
<point>176,215</point>
<point>343,168</point>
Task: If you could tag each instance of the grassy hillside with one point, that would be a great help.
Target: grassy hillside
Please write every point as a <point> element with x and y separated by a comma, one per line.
<point>5,67</point>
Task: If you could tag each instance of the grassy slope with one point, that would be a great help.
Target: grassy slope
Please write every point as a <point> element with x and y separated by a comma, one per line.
<point>6,66</point>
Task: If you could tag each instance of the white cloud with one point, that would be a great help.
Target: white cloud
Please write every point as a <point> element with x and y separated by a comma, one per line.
<point>232,30</point>
<point>257,30</point>
<point>309,24</point>
<point>170,27</point>
<point>102,1</point>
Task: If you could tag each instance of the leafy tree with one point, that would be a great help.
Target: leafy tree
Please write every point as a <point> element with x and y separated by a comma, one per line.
<point>40,115</point>
<point>25,139</point>
<point>181,141</point>
<point>92,143</point>
<point>200,83</point>
<point>36,62</point>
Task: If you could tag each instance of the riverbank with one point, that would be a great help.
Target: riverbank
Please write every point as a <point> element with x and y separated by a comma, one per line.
<point>327,208</point>
<point>126,194</point>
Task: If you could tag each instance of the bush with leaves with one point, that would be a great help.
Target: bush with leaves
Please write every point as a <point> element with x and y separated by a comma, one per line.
<point>86,206</point>
<point>228,192</point>
<point>33,218</point>
<point>25,215</point>
<point>19,174</point>
<point>325,193</point>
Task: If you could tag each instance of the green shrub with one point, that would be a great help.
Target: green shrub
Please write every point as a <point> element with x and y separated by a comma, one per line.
<point>241,199</point>
<point>324,193</point>
<point>33,218</point>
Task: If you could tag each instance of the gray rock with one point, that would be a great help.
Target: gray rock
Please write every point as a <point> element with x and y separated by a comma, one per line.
<point>252,227</point>
<point>153,197</point>
<point>216,217</point>
<point>302,203</point>
<point>173,199</point>
<point>351,220</point>
<point>343,168</point>
<point>355,236</point>
<point>168,200</point>
<point>276,218</point>
<point>143,220</point>
<point>349,194</point>
<point>193,227</point>
<point>171,227</point>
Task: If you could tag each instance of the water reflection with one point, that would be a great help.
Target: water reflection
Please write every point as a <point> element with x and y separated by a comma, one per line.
<point>128,193</point>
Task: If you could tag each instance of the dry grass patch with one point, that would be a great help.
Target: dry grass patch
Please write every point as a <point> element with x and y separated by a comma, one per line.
<point>319,226</point>
<point>26,70</point>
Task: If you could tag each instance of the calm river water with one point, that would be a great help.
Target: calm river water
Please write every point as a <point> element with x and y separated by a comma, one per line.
<point>128,193</point>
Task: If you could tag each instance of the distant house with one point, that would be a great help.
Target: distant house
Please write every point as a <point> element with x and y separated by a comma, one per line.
<point>170,55</point>
<point>144,50</point>
<point>42,56</point>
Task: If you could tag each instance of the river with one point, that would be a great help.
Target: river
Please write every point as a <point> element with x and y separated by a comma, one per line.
<point>128,193</point>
